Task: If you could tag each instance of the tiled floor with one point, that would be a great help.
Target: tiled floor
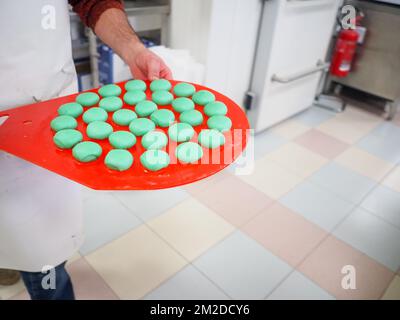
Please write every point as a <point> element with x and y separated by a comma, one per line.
<point>318,218</point>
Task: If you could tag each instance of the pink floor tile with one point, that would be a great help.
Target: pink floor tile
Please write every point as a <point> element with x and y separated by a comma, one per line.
<point>234,200</point>
<point>88,285</point>
<point>321,143</point>
<point>285,233</point>
<point>324,266</point>
<point>87,282</point>
<point>198,186</point>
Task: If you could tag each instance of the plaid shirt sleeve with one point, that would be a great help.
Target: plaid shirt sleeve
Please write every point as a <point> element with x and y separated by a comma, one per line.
<point>90,10</point>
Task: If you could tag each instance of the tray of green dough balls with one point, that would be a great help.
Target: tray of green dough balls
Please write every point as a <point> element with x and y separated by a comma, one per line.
<point>134,135</point>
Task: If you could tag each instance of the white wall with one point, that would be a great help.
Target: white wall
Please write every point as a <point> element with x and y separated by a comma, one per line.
<point>189,27</point>
<point>231,46</point>
<point>222,34</point>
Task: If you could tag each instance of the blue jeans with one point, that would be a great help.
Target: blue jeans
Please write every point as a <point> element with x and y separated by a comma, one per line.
<point>62,290</point>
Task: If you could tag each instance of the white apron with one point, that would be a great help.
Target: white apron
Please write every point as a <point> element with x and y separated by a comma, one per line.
<point>40,212</point>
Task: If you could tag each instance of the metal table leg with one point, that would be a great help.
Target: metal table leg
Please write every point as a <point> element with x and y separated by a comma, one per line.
<point>390,110</point>
<point>329,102</point>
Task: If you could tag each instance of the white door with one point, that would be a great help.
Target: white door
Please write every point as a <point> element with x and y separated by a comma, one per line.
<point>293,43</point>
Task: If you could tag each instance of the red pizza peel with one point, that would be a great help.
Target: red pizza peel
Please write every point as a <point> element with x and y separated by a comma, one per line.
<point>27,134</point>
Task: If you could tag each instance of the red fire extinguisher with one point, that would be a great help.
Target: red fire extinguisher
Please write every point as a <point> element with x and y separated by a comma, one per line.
<point>344,52</point>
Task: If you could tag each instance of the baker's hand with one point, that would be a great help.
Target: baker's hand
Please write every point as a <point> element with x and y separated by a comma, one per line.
<point>146,65</point>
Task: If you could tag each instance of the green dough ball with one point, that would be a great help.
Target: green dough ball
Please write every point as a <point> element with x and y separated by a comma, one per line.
<point>188,152</point>
<point>63,122</point>
<point>67,138</point>
<point>182,104</point>
<point>134,97</point>
<point>203,97</point>
<point>215,108</point>
<point>192,117</point>
<point>99,130</point>
<point>94,114</point>
<point>88,99</point>
<point>87,151</point>
<point>72,109</point>
<point>135,85</point>
<point>162,98</point>
<point>111,104</point>
<point>160,84</point>
<point>211,138</point>
<point>141,126</point>
<point>122,139</point>
<point>123,117</point>
<point>110,90</point>
<point>220,123</point>
<point>184,89</point>
<point>155,160</point>
<point>181,132</point>
<point>145,108</point>
<point>119,160</point>
<point>154,140</point>
<point>163,117</point>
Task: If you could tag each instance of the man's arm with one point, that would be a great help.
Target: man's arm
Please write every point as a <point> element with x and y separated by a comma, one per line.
<point>108,20</point>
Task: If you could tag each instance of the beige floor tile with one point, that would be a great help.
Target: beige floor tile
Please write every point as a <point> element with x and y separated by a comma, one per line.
<point>297,159</point>
<point>271,178</point>
<point>74,258</point>
<point>290,129</point>
<point>393,180</point>
<point>393,292</point>
<point>357,114</point>
<point>135,263</point>
<point>344,131</point>
<point>191,228</point>
<point>364,163</point>
<point>325,267</point>
<point>6,292</point>
<point>351,125</point>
